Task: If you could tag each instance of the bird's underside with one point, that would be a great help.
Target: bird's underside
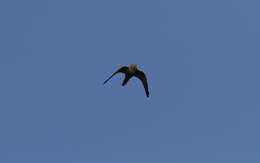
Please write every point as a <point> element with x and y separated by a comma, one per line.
<point>129,73</point>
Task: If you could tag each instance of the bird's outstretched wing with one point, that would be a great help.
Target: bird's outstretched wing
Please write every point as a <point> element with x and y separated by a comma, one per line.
<point>141,75</point>
<point>122,70</point>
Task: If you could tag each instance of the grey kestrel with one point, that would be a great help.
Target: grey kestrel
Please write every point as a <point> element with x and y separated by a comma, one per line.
<point>129,73</point>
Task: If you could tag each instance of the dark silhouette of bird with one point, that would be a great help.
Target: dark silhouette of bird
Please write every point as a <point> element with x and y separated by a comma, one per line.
<point>129,73</point>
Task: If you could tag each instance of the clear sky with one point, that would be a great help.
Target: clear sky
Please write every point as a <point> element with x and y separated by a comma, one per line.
<point>202,60</point>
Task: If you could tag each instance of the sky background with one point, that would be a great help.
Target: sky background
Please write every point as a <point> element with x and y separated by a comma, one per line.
<point>201,59</point>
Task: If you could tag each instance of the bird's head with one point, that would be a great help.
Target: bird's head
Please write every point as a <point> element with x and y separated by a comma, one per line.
<point>133,67</point>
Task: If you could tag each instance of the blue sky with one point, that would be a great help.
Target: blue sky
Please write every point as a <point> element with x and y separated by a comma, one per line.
<point>202,63</point>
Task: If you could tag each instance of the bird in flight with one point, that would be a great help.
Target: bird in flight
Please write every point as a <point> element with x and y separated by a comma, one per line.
<point>129,73</point>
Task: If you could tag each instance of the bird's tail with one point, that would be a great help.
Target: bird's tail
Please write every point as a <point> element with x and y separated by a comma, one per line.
<point>125,80</point>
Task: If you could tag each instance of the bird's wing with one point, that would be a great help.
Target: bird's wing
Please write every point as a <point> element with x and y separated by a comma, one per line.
<point>122,69</point>
<point>141,75</point>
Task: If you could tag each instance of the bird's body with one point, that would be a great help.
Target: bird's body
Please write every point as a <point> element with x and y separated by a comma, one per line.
<point>129,73</point>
